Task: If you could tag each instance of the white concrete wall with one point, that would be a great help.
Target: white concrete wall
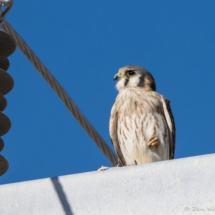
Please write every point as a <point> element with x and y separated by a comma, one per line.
<point>182,186</point>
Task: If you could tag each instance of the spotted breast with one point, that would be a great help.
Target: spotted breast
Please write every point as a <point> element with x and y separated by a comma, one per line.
<point>140,115</point>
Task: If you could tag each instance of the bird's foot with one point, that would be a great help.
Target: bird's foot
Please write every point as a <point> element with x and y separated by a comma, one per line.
<point>103,168</point>
<point>154,141</point>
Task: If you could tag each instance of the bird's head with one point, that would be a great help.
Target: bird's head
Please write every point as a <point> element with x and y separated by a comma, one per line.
<point>134,77</point>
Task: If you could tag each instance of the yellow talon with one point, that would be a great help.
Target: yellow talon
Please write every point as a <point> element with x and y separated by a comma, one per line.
<point>154,141</point>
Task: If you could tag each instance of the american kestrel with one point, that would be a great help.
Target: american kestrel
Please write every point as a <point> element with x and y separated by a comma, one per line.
<point>142,127</point>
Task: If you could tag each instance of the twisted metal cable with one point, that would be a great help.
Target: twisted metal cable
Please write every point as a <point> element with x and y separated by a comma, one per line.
<point>60,92</point>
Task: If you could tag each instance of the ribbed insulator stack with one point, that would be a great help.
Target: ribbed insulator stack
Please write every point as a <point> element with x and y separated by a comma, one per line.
<point>7,47</point>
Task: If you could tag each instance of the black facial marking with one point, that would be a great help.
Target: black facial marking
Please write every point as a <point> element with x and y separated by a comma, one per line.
<point>141,82</point>
<point>126,82</point>
<point>153,87</point>
<point>144,81</point>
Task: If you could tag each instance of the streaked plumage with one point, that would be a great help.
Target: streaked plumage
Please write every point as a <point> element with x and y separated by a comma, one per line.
<point>141,116</point>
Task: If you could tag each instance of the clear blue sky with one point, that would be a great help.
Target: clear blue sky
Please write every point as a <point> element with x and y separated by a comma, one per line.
<point>84,43</point>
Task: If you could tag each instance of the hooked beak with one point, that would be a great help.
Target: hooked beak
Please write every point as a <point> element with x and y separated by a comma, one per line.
<point>116,77</point>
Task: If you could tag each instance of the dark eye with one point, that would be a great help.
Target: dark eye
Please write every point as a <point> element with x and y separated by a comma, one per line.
<point>130,72</point>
